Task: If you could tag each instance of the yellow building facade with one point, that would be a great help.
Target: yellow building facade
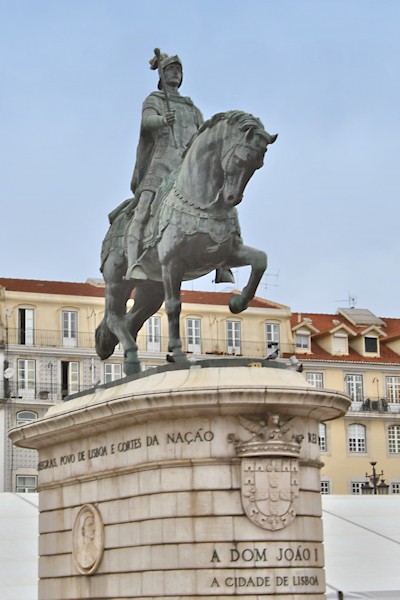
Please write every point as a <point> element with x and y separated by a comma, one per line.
<point>47,352</point>
<point>356,352</point>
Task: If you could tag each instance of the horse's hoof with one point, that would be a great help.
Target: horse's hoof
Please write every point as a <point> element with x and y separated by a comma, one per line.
<point>178,358</point>
<point>132,368</point>
<point>131,363</point>
<point>237,304</point>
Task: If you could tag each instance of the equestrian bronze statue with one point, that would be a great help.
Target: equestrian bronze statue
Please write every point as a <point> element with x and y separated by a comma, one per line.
<point>185,226</point>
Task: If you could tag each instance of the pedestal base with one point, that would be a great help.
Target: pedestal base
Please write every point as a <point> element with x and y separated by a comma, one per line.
<point>194,483</point>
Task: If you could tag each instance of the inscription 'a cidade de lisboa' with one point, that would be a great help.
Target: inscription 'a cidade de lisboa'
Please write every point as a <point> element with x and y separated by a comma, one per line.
<point>184,438</point>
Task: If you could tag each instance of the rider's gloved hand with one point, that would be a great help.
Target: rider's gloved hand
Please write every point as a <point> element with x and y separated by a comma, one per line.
<point>170,117</point>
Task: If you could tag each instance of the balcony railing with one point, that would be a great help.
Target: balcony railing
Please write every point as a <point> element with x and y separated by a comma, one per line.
<point>42,338</point>
<point>39,392</point>
<point>375,405</point>
<point>50,339</point>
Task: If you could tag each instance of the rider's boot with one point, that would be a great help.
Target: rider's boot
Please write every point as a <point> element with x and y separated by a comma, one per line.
<point>134,270</point>
<point>224,276</point>
<point>135,233</point>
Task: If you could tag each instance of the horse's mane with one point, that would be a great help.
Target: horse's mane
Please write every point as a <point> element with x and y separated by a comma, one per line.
<point>245,121</point>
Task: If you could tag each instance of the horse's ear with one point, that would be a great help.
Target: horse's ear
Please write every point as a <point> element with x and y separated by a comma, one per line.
<point>249,135</point>
<point>273,138</point>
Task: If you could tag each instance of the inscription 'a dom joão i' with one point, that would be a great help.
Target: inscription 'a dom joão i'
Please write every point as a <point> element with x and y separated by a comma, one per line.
<point>300,554</point>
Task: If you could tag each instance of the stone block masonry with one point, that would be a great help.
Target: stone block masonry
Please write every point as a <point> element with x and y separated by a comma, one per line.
<point>191,483</point>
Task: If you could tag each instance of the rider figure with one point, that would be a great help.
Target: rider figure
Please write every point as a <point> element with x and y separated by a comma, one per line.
<point>163,137</point>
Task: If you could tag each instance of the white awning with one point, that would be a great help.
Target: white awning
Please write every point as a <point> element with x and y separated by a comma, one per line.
<point>362,546</point>
<point>18,546</point>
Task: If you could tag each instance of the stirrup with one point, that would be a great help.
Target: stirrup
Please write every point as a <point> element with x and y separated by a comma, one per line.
<point>135,272</point>
<point>224,276</point>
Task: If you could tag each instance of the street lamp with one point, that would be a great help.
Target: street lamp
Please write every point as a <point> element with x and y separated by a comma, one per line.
<point>375,483</point>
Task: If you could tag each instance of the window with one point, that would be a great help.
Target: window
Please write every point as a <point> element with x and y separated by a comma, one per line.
<point>26,329</point>
<point>315,379</point>
<point>26,378</point>
<point>355,387</point>
<point>340,343</point>
<point>154,334</point>
<point>303,339</point>
<point>355,487</point>
<point>371,344</point>
<point>393,389</point>
<point>25,416</point>
<point>233,337</point>
<point>357,438</point>
<point>323,445</point>
<point>395,487</point>
<point>69,378</point>
<point>325,487</point>
<point>70,328</point>
<point>272,336</point>
<point>394,439</point>
<point>193,335</point>
<point>26,484</point>
<point>112,371</point>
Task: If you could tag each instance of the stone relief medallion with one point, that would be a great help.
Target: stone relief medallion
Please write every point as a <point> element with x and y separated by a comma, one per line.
<point>270,471</point>
<point>88,539</point>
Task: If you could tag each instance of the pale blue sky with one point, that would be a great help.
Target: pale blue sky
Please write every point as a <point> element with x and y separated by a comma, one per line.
<point>323,74</point>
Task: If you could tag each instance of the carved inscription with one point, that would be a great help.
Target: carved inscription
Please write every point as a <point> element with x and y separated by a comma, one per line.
<point>272,554</point>
<point>267,568</point>
<point>268,581</point>
<point>197,436</point>
<point>312,438</point>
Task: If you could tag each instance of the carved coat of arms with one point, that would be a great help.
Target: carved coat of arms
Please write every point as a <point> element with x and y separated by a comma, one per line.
<point>270,471</point>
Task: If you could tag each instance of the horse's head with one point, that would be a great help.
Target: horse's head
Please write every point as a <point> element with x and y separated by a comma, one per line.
<point>220,159</point>
<point>243,153</point>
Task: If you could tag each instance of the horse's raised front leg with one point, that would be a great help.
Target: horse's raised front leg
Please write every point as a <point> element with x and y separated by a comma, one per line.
<point>172,279</point>
<point>257,259</point>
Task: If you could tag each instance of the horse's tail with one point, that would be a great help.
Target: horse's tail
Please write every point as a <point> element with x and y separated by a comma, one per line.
<point>106,340</point>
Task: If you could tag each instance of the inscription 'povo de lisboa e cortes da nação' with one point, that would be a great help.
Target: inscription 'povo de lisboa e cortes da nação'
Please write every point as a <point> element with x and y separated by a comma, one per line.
<point>270,470</point>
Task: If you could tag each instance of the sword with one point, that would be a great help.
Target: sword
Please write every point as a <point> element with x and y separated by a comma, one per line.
<point>157,52</point>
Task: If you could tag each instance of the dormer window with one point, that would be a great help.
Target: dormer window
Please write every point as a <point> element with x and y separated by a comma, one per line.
<point>303,339</point>
<point>371,344</point>
<point>340,343</point>
<point>302,332</point>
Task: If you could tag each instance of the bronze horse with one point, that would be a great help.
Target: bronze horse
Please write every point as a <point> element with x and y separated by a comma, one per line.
<point>193,229</point>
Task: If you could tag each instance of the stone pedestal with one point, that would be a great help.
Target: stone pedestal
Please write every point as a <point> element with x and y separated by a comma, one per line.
<point>192,483</point>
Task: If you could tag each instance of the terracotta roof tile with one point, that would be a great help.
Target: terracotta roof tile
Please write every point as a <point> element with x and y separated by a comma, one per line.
<point>387,356</point>
<point>393,328</point>
<point>68,288</point>
<point>323,322</point>
<point>37,286</point>
<point>221,298</point>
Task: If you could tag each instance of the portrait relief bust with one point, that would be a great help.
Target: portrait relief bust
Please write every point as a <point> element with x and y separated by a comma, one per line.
<point>88,539</point>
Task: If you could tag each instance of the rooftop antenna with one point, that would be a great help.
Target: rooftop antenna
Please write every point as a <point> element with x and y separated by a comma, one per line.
<point>352,300</point>
<point>268,284</point>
